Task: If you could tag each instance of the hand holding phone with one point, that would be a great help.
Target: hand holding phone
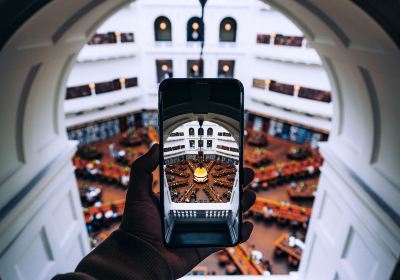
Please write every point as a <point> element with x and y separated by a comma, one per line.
<point>142,216</point>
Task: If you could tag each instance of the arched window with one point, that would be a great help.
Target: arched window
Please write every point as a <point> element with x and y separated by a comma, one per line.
<point>209,131</point>
<point>162,29</point>
<point>226,68</point>
<point>200,131</point>
<point>194,30</point>
<point>164,69</point>
<point>227,30</point>
<point>195,68</point>
<point>191,131</point>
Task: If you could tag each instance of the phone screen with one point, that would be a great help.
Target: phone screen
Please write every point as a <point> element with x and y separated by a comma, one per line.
<point>201,131</point>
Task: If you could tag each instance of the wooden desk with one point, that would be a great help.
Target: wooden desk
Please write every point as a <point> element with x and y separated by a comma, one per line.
<point>257,157</point>
<point>210,165</point>
<point>177,172</point>
<point>212,193</point>
<point>223,183</point>
<point>120,205</point>
<point>247,250</point>
<point>191,165</point>
<point>274,174</point>
<point>88,152</point>
<point>132,138</point>
<point>302,190</point>
<point>299,153</point>
<point>241,260</point>
<point>241,257</point>
<point>280,211</point>
<point>178,184</point>
<point>129,157</point>
<point>256,138</point>
<point>108,171</point>
<point>282,245</point>
<point>187,194</point>
<point>223,173</point>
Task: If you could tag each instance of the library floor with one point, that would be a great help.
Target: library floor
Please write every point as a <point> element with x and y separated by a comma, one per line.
<point>265,232</point>
<point>205,191</point>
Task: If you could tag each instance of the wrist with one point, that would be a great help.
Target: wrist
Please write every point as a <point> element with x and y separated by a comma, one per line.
<point>129,257</point>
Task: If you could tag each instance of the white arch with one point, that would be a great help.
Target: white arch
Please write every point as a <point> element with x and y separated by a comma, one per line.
<point>360,177</point>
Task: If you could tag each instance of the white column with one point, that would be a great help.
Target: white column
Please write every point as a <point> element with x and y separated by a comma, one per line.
<point>350,235</point>
<point>45,234</point>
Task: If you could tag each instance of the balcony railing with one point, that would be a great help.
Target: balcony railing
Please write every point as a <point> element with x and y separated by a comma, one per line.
<point>293,90</point>
<point>101,87</point>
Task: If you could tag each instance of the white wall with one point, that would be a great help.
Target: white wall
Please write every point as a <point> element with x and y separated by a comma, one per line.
<point>268,20</point>
<point>33,242</point>
<point>103,70</point>
<point>253,17</point>
<point>349,236</point>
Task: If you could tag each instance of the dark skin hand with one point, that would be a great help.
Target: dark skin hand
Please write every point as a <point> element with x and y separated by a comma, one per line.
<point>142,215</point>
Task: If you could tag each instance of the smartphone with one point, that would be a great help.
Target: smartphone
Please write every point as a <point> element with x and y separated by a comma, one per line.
<point>201,155</point>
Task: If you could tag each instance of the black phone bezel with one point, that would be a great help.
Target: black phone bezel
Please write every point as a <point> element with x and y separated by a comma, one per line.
<point>161,155</point>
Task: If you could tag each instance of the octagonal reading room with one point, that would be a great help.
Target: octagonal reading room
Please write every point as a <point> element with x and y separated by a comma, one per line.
<point>79,105</point>
<point>202,172</point>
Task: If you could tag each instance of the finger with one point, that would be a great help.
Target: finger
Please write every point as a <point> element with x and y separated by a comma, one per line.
<point>248,199</point>
<point>247,228</point>
<point>156,199</point>
<point>148,162</point>
<point>189,258</point>
<point>141,178</point>
<point>157,196</point>
<point>248,176</point>
<point>205,252</point>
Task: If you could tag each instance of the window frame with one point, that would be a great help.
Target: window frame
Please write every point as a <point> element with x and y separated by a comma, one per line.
<point>159,32</point>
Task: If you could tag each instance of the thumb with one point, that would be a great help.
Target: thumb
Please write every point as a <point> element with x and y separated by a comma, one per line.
<point>141,178</point>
